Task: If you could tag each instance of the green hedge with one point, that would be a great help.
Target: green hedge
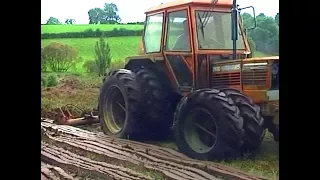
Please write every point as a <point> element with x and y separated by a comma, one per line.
<point>90,33</point>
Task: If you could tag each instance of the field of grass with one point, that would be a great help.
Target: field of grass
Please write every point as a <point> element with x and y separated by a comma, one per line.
<point>121,47</point>
<point>82,27</point>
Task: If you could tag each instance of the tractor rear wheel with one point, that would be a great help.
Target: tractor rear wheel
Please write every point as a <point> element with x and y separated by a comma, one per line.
<point>208,126</point>
<point>120,103</point>
<point>253,120</point>
<point>160,101</point>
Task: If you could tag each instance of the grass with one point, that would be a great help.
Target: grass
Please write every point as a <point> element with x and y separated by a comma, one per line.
<point>121,47</point>
<point>264,164</point>
<point>82,27</point>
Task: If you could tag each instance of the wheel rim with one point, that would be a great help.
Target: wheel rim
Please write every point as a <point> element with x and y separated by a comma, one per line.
<point>115,110</point>
<point>200,130</point>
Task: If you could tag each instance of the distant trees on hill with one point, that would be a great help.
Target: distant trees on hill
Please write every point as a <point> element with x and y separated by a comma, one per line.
<point>107,15</point>
<point>52,21</point>
<point>70,21</point>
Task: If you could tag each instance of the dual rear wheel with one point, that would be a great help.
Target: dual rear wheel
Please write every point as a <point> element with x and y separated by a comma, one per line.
<point>208,123</point>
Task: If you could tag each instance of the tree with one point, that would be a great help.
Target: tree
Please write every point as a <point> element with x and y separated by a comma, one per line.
<point>60,57</point>
<point>96,15</point>
<point>111,11</point>
<point>53,21</point>
<point>277,18</point>
<point>70,21</point>
<point>107,15</point>
<point>266,36</point>
<point>102,56</point>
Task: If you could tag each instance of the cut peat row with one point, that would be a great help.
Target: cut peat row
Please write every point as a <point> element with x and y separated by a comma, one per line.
<point>78,144</point>
<point>52,172</point>
<point>138,146</point>
<point>85,166</point>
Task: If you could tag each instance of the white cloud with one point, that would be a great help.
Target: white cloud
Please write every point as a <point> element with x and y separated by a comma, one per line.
<point>129,10</point>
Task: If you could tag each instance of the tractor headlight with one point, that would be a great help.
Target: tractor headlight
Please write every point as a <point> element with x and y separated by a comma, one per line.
<point>226,68</point>
<point>274,68</point>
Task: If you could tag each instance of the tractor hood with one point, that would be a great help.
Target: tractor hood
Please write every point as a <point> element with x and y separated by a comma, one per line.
<point>268,59</point>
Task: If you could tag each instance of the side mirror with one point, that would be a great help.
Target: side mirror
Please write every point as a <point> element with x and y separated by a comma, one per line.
<point>254,17</point>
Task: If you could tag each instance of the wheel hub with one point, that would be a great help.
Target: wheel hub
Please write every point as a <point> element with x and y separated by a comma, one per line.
<point>200,130</point>
<point>115,110</point>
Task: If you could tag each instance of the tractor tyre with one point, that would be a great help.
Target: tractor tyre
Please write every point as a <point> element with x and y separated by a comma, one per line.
<point>208,126</point>
<point>253,120</point>
<point>160,102</point>
<point>120,104</point>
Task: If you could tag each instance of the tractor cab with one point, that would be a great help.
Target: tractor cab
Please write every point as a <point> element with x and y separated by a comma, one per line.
<point>191,35</point>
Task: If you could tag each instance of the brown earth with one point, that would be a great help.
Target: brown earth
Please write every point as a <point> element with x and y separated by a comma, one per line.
<point>79,153</point>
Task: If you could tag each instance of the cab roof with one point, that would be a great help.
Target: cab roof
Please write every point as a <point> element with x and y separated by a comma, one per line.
<point>188,2</point>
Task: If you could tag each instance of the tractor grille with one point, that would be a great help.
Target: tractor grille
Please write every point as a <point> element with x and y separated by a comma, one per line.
<point>226,79</point>
<point>256,74</point>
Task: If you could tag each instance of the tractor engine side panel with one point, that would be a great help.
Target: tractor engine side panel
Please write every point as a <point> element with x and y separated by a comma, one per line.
<point>224,73</point>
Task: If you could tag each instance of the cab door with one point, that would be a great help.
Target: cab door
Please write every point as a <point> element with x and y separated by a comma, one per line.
<point>178,49</point>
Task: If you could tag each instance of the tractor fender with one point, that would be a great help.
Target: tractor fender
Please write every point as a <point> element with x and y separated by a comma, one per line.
<point>133,63</point>
<point>137,62</point>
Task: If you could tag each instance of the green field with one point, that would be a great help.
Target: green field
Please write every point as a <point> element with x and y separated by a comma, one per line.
<point>82,27</point>
<point>121,47</point>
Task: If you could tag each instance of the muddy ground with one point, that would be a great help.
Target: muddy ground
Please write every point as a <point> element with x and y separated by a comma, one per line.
<point>72,153</point>
<point>82,91</point>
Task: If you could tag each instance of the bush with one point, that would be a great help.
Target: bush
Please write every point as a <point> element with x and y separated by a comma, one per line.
<point>90,66</point>
<point>44,62</point>
<point>43,82</point>
<point>52,80</point>
<point>90,33</point>
<point>59,57</point>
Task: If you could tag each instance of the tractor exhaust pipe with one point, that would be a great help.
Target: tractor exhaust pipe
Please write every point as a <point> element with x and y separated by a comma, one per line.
<point>234,28</point>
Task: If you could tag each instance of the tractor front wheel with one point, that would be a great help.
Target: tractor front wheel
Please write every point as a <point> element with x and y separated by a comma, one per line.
<point>208,126</point>
<point>253,120</point>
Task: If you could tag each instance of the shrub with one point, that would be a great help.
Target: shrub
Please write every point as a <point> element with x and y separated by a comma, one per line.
<point>60,57</point>
<point>44,62</point>
<point>43,82</point>
<point>52,80</point>
<point>90,66</point>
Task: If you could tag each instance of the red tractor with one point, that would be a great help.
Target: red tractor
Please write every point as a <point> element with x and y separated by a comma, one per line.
<point>197,78</point>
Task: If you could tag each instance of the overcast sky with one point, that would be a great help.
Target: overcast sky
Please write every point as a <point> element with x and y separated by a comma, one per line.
<point>129,10</point>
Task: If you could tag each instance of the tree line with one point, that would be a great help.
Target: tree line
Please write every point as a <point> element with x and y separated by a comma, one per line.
<point>265,37</point>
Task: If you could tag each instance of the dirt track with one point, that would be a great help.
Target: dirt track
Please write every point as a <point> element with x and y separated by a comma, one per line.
<point>72,153</point>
